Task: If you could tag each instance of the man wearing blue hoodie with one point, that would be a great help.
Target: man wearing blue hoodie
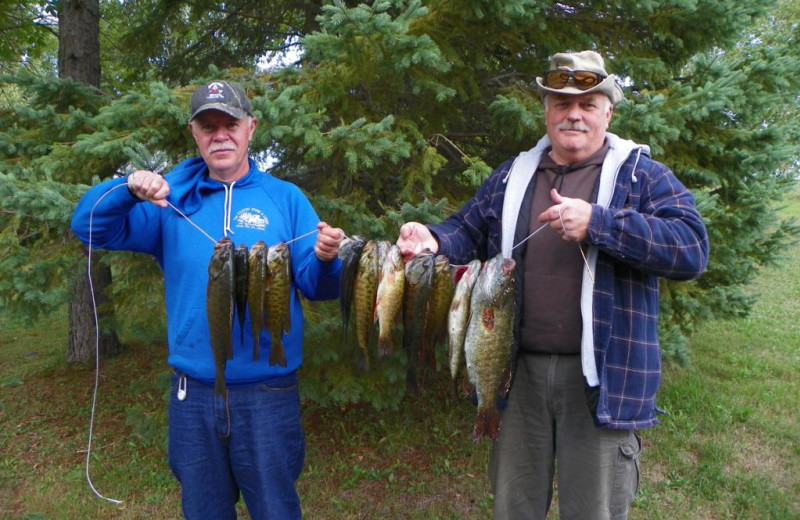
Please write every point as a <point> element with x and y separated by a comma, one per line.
<point>252,442</point>
<point>592,222</point>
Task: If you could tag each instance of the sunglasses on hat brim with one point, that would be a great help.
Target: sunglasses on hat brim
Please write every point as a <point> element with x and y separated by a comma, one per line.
<point>581,79</point>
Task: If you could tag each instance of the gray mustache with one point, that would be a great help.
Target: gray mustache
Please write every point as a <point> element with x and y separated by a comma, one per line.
<point>573,126</point>
<point>221,147</point>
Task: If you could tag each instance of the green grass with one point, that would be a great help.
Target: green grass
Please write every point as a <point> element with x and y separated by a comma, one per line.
<point>728,448</point>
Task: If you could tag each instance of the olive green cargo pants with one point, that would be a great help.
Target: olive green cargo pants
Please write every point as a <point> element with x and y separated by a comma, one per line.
<point>547,428</point>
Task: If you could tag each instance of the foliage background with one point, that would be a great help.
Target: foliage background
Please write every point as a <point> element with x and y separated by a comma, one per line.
<point>392,111</point>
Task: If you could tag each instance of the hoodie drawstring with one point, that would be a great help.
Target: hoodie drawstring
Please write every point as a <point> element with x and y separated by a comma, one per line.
<point>228,209</point>
<point>633,173</point>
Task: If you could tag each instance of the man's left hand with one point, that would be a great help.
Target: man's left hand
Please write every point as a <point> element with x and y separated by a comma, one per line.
<point>568,217</point>
<point>328,241</point>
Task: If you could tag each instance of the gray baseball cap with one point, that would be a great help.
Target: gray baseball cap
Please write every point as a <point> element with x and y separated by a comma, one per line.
<point>223,96</point>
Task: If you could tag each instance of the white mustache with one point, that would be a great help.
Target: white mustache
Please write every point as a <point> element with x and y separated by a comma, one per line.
<point>580,127</point>
<point>230,147</point>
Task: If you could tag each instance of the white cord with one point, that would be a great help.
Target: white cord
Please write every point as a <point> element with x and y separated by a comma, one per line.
<point>116,502</point>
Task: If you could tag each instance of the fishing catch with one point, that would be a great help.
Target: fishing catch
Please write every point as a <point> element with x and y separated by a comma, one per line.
<point>364,291</point>
<point>349,253</point>
<point>487,346</point>
<point>418,283</point>
<point>257,278</point>
<point>220,303</point>
<point>458,319</point>
<point>442,290</point>
<point>241,273</point>
<point>278,299</point>
<point>389,298</point>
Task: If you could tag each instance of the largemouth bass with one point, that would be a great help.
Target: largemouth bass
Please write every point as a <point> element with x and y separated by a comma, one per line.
<point>220,295</point>
<point>458,319</point>
<point>418,283</point>
<point>257,277</point>
<point>365,288</point>
<point>278,300</point>
<point>241,268</point>
<point>349,252</point>
<point>488,342</point>
<point>438,308</point>
<point>389,298</point>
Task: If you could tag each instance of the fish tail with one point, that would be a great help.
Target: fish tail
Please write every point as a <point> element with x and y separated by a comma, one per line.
<point>385,345</point>
<point>456,387</point>
<point>427,353</point>
<point>219,382</point>
<point>487,424</point>
<point>344,332</point>
<point>464,388</point>
<point>277,356</point>
<point>461,385</point>
<point>364,358</point>
<point>412,386</point>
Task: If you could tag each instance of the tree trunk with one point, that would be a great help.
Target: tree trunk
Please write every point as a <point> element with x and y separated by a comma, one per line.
<point>79,41</point>
<point>83,337</point>
<point>79,59</point>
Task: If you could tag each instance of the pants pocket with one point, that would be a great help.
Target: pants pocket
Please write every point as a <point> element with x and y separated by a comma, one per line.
<point>626,476</point>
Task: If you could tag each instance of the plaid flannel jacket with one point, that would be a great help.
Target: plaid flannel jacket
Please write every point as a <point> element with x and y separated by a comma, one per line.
<point>649,228</point>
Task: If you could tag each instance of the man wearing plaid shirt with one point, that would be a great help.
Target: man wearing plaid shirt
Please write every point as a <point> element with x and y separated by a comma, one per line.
<point>592,222</point>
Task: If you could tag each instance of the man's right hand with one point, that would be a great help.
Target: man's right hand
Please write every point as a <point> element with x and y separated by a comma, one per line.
<point>149,186</point>
<point>415,238</point>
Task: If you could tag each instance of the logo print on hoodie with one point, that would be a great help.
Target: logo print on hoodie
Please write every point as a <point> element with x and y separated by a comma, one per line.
<point>251,218</point>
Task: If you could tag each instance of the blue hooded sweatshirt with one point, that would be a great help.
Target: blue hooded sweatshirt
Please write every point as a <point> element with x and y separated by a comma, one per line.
<point>256,207</point>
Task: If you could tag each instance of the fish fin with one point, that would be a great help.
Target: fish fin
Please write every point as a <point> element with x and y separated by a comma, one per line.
<point>508,377</point>
<point>467,388</point>
<point>487,424</point>
<point>385,346</point>
<point>277,356</point>
<point>287,324</point>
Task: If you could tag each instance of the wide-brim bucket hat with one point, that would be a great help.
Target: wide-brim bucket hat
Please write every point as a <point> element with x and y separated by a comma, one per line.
<point>594,79</point>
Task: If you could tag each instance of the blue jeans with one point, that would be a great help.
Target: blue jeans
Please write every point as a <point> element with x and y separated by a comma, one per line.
<point>252,443</point>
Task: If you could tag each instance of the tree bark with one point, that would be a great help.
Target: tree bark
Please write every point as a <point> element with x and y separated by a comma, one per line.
<point>79,41</point>
<point>83,337</point>
<point>79,59</point>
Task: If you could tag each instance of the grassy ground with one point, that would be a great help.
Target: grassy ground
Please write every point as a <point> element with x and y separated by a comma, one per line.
<point>729,447</point>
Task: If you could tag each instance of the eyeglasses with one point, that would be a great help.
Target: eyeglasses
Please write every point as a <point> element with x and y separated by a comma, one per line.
<point>581,79</point>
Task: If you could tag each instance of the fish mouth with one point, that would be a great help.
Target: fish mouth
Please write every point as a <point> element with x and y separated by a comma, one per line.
<point>509,264</point>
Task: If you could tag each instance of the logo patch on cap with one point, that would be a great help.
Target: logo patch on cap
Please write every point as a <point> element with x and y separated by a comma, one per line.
<point>215,90</point>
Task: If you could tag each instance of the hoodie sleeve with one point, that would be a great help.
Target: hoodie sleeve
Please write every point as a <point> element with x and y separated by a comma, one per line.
<point>108,216</point>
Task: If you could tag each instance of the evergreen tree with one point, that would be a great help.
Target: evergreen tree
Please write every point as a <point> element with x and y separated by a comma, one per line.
<point>26,31</point>
<point>397,110</point>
